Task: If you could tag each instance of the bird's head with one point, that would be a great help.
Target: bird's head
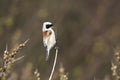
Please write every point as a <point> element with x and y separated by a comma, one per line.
<point>47,26</point>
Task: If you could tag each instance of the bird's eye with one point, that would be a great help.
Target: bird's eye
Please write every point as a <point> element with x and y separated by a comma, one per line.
<point>49,25</point>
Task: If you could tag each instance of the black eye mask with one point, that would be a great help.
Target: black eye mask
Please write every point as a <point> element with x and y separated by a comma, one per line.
<point>49,25</point>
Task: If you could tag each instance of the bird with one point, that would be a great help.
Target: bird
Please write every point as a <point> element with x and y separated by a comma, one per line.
<point>49,39</point>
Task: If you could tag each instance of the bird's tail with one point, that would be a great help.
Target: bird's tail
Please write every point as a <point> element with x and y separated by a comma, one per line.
<point>47,55</point>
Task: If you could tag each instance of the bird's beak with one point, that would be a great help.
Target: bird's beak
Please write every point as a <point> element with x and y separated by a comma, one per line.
<point>51,25</point>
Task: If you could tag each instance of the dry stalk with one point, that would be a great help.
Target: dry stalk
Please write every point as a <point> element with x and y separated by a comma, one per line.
<point>54,64</point>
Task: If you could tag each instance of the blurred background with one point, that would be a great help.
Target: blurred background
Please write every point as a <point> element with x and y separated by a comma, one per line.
<point>87,32</point>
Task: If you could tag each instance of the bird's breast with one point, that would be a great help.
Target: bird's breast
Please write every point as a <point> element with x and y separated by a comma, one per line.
<point>46,34</point>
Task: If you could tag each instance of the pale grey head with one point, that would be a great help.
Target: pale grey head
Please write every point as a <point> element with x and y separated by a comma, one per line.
<point>47,26</point>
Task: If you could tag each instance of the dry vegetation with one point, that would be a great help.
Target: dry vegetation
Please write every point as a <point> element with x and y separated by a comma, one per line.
<point>116,64</point>
<point>9,59</point>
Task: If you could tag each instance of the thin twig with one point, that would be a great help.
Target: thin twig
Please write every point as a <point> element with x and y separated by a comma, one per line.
<point>54,64</point>
<point>18,58</point>
<point>26,41</point>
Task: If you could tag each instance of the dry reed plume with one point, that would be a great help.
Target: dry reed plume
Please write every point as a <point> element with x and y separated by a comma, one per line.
<point>9,58</point>
<point>115,64</point>
<point>63,75</point>
<point>37,74</point>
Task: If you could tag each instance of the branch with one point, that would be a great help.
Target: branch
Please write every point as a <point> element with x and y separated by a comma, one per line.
<point>54,63</point>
